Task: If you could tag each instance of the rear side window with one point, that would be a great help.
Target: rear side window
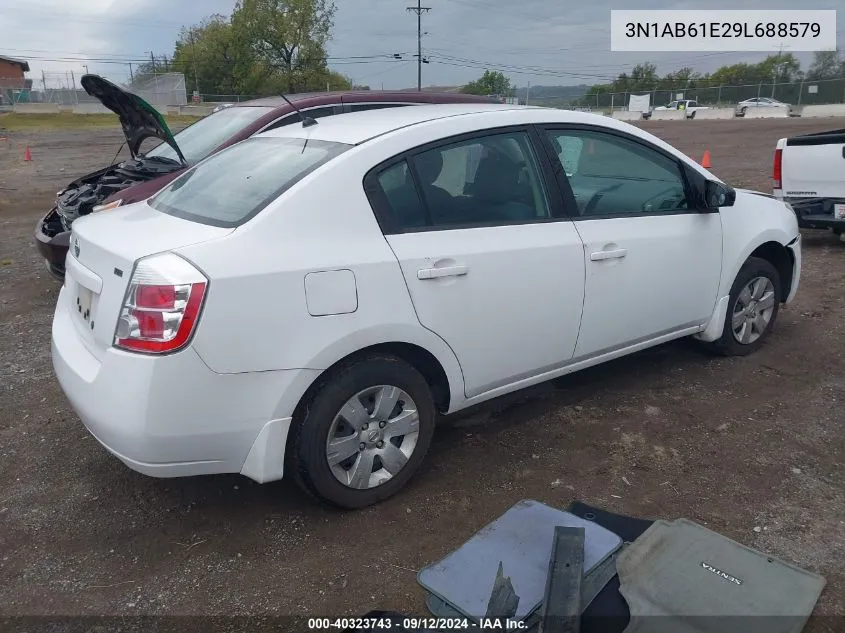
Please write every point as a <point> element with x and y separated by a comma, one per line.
<point>236,184</point>
<point>360,107</point>
<point>488,180</point>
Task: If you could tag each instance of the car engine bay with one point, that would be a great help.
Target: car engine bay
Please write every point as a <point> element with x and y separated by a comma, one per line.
<point>80,197</point>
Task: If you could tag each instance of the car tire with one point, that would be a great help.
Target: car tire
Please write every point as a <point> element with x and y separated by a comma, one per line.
<point>745,341</point>
<point>742,111</point>
<point>322,419</point>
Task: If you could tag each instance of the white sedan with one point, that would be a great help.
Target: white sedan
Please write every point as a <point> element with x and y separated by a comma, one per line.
<point>760,102</point>
<point>307,301</point>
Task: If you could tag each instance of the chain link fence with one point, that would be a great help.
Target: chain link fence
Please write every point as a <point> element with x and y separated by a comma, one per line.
<point>64,89</point>
<point>794,93</point>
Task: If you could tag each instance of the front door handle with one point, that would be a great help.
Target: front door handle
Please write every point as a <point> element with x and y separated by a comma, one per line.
<point>446,271</point>
<point>602,255</point>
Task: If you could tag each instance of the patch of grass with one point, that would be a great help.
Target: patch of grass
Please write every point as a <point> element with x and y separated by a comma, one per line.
<point>18,122</point>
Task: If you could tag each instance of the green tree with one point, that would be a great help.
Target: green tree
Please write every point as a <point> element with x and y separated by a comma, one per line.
<point>643,77</point>
<point>490,83</point>
<point>281,38</point>
<point>208,54</point>
<point>826,65</point>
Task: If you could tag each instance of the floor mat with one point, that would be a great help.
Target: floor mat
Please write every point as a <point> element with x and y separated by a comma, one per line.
<point>680,577</point>
<point>522,540</point>
<point>608,611</point>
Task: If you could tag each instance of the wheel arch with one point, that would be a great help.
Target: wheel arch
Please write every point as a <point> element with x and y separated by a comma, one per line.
<point>421,349</point>
<point>782,258</point>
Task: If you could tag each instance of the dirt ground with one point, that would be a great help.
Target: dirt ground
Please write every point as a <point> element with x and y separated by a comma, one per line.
<point>751,447</point>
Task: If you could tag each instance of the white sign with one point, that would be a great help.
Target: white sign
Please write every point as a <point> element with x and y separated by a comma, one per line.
<point>639,103</point>
<point>839,211</point>
<point>813,89</point>
<point>721,30</point>
<point>679,96</point>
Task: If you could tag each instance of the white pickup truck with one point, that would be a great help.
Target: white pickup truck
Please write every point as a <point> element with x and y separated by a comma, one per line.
<point>809,174</point>
<point>688,105</point>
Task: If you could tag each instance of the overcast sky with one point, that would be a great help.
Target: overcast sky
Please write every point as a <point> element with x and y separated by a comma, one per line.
<point>545,42</point>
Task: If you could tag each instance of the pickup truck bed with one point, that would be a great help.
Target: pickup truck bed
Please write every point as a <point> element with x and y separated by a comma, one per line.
<point>809,174</point>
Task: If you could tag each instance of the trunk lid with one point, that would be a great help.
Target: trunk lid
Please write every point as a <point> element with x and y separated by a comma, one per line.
<point>102,255</point>
<point>138,118</point>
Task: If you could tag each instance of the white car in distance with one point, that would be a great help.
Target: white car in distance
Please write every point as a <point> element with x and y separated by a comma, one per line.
<point>760,102</point>
<point>308,300</point>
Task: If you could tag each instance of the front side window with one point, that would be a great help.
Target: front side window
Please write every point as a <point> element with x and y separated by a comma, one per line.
<point>197,141</point>
<point>487,180</point>
<point>237,183</point>
<point>612,175</point>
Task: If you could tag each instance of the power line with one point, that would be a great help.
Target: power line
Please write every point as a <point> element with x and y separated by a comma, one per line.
<point>419,10</point>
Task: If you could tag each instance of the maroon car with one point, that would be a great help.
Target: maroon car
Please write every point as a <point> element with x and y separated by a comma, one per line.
<point>145,173</point>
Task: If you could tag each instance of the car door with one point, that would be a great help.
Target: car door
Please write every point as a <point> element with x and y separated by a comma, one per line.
<point>653,264</point>
<point>491,263</point>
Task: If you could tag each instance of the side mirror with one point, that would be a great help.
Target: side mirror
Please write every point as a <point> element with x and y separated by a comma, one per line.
<point>717,195</point>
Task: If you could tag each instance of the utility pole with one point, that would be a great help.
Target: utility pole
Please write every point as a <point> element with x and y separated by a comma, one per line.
<point>777,68</point>
<point>194,55</point>
<point>419,10</point>
<point>527,93</point>
<point>131,76</point>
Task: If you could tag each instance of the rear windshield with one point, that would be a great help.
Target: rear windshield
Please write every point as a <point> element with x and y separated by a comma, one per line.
<point>203,137</point>
<point>234,185</point>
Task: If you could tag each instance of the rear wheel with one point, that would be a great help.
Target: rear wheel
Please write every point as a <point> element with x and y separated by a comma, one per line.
<point>742,112</point>
<point>752,309</point>
<point>364,433</point>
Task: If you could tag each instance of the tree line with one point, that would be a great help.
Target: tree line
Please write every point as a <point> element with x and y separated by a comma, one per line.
<point>265,47</point>
<point>782,68</point>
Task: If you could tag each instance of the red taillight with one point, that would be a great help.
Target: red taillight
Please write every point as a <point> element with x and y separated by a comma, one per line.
<point>777,172</point>
<point>156,297</point>
<point>162,305</point>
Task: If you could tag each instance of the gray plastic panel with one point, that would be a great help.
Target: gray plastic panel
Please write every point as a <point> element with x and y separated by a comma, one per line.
<point>680,577</point>
<point>522,539</point>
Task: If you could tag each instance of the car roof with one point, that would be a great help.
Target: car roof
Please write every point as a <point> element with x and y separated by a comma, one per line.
<point>357,127</point>
<point>338,96</point>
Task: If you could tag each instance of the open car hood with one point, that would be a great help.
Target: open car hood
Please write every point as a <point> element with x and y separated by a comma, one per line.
<point>138,118</point>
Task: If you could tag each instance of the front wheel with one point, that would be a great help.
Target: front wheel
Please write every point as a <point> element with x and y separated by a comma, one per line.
<point>752,309</point>
<point>364,433</point>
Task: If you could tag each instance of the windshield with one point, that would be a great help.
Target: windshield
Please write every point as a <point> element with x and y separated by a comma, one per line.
<point>233,186</point>
<point>200,139</point>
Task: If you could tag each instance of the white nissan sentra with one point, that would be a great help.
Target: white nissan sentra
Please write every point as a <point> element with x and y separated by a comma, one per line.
<point>307,301</point>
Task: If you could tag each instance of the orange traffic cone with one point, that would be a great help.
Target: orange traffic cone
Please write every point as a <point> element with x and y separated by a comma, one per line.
<point>705,160</point>
<point>27,155</point>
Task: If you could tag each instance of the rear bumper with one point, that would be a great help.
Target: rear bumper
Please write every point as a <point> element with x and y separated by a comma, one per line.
<point>171,416</point>
<point>52,248</point>
<point>816,213</point>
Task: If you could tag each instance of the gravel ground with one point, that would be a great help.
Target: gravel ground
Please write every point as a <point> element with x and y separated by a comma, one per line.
<point>751,447</point>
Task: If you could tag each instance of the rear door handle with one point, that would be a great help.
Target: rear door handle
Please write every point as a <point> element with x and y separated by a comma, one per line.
<point>602,255</point>
<point>446,271</point>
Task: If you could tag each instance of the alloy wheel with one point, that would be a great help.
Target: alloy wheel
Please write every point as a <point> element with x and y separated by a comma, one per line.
<point>753,310</point>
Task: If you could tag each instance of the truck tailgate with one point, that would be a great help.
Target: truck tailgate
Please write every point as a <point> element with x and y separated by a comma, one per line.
<point>814,166</point>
